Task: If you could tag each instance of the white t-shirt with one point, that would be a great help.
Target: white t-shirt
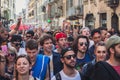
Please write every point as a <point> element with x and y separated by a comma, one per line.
<point>21,51</point>
<point>51,65</point>
<point>65,77</point>
<point>91,43</point>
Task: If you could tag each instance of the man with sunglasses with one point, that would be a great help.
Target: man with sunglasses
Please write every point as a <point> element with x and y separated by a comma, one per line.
<point>15,42</point>
<point>68,58</point>
<point>28,35</point>
<point>80,47</point>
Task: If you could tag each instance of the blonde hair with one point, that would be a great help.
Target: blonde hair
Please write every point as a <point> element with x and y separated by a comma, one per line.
<point>12,50</point>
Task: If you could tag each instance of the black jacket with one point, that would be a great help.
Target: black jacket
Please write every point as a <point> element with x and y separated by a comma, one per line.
<point>103,71</point>
<point>3,78</point>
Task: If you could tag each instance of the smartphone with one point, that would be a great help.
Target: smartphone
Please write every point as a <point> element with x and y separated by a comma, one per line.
<point>4,49</point>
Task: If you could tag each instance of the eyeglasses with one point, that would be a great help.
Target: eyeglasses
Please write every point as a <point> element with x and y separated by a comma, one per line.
<point>70,56</point>
<point>82,43</point>
<point>11,54</point>
<point>28,36</point>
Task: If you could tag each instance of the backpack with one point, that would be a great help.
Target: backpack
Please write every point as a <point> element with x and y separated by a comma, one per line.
<point>58,76</point>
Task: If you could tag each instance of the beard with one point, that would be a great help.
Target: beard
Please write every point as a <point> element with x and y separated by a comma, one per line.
<point>117,56</point>
<point>82,51</point>
<point>69,65</point>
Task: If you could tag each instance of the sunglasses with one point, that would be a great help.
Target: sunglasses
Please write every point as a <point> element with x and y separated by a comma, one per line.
<point>17,44</point>
<point>28,36</point>
<point>70,56</point>
<point>82,43</point>
<point>11,54</point>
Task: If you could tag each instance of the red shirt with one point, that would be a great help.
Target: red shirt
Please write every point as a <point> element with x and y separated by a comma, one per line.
<point>117,68</point>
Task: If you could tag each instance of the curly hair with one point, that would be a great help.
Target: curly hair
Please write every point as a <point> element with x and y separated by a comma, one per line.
<point>75,47</point>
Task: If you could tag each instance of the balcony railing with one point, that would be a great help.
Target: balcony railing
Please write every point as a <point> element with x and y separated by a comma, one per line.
<point>85,2</point>
<point>79,10</point>
<point>75,11</point>
<point>113,3</point>
<point>52,1</point>
<point>71,11</point>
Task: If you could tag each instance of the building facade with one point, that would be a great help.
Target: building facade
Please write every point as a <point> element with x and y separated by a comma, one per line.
<point>31,12</point>
<point>40,11</point>
<point>99,13</point>
<point>75,12</point>
<point>91,13</point>
<point>7,12</point>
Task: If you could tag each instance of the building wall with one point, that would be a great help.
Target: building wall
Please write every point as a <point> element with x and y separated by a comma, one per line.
<point>97,7</point>
<point>31,12</point>
<point>4,7</point>
<point>12,10</point>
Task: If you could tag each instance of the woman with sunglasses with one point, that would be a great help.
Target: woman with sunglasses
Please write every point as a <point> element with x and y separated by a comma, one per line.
<point>10,60</point>
<point>22,68</point>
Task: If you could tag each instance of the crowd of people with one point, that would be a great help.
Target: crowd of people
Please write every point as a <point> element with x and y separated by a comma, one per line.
<point>80,54</point>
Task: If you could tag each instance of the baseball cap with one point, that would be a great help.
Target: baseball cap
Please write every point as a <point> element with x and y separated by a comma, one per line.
<point>65,50</point>
<point>60,35</point>
<point>112,41</point>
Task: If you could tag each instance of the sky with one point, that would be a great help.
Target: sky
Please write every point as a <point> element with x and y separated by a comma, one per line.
<point>20,4</point>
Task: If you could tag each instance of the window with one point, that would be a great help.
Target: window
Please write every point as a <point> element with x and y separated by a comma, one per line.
<point>103,19</point>
<point>71,3</point>
<point>85,2</point>
<point>32,12</point>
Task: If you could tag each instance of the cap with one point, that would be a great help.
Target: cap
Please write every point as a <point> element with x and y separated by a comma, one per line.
<point>65,50</point>
<point>60,35</point>
<point>112,41</point>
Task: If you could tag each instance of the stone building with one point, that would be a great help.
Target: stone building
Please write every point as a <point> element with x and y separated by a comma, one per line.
<point>32,12</point>
<point>102,13</point>
<point>7,12</point>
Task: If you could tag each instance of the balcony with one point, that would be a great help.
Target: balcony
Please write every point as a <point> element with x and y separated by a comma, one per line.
<point>75,12</point>
<point>71,11</point>
<point>52,1</point>
<point>113,3</point>
<point>85,2</point>
<point>43,8</point>
<point>79,10</point>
